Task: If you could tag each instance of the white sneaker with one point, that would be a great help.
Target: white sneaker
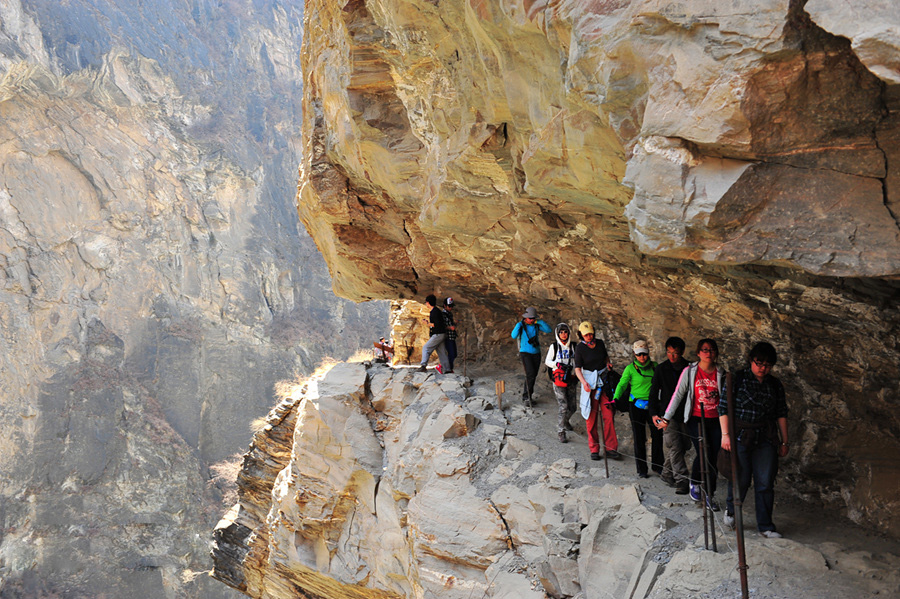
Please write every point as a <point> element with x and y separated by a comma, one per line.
<point>770,534</point>
<point>729,520</point>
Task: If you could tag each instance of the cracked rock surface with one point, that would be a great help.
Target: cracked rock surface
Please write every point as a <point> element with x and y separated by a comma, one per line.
<point>383,483</point>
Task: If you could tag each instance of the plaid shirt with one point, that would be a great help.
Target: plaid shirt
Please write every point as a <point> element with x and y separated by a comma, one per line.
<point>448,320</point>
<point>756,401</point>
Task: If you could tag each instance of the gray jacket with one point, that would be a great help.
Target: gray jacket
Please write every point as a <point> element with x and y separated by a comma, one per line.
<point>685,390</point>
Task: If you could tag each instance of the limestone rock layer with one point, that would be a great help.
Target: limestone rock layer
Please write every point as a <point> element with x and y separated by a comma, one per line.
<point>697,168</point>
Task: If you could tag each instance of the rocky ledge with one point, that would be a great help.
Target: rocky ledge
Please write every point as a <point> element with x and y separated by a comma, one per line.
<point>381,483</point>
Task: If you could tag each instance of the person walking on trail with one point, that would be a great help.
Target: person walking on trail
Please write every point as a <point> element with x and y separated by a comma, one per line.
<point>636,379</point>
<point>526,331</point>
<point>450,342</point>
<point>435,342</point>
<point>699,389</point>
<point>592,367</point>
<point>561,362</point>
<point>675,439</point>
<point>760,426</point>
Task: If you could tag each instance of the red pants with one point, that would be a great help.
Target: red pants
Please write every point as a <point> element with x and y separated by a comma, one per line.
<point>610,441</point>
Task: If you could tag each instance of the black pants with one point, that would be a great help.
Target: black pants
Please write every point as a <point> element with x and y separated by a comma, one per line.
<point>532,363</point>
<point>640,420</point>
<point>451,351</point>
<point>713,442</point>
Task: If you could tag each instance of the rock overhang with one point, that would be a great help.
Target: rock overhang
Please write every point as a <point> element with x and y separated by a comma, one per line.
<point>660,169</point>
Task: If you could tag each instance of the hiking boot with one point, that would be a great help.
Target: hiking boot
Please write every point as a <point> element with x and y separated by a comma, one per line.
<point>423,368</point>
<point>595,456</point>
<point>668,479</point>
<point>613,454</point>
<point>449,372</point>
<point>729,520</point>
<point>562,438</point>
<point>770,534</point>
<point>695,492</point>
<point>682,489</point>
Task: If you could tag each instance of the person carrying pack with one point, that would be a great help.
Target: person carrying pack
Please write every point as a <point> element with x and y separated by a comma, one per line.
<point>636,380</point>
<point>560,362</point>
<point>526,332</point>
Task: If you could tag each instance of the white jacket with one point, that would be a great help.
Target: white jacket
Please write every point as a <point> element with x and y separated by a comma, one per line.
<point>684,391</point>
<point>566,355</point>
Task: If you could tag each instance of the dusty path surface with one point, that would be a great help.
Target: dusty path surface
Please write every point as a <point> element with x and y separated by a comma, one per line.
<point>822,555</point>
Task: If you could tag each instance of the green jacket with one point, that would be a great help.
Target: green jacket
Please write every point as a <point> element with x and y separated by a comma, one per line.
<point>638,379</point>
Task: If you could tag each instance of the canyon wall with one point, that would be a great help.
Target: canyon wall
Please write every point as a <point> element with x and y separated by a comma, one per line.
<point>694,168</point>
<point>154,281</point>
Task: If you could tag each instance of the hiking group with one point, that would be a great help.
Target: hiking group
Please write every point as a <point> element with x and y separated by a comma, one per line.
<point>442,335</point>
<point>682,404</point>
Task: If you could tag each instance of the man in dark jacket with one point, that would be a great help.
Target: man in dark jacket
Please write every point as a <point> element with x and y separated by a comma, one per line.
<point>450,342</point>
<point>675,442</point>
<point>761,434</point>
<point>435,342</point>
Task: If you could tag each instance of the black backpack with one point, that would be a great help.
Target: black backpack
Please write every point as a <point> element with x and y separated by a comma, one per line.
<point>555,353</point>
<point>611,380</point>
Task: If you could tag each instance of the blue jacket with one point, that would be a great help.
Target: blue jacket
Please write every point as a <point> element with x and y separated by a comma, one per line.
<point>530,330</point>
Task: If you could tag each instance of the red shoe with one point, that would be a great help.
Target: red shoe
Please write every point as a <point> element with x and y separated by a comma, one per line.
<point>439,369</point>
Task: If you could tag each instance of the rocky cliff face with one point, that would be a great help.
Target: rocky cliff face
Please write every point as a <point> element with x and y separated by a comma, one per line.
<point>154,281</point>
<point>698,168</point>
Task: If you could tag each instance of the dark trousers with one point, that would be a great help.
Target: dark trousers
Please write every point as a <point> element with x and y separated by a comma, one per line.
<point>640,420</point>
<point>532,363</point>
<point>759,461</point>
<point>450,344</point>
<point>676,444</point>
<point>713,442</point>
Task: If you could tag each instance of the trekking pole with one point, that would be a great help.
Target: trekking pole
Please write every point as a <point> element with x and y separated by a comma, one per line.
<point>710,473</point>
<point>466,353</point>
<point>736,495</point>
<point>601,435</point>
<point>703,497</point>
